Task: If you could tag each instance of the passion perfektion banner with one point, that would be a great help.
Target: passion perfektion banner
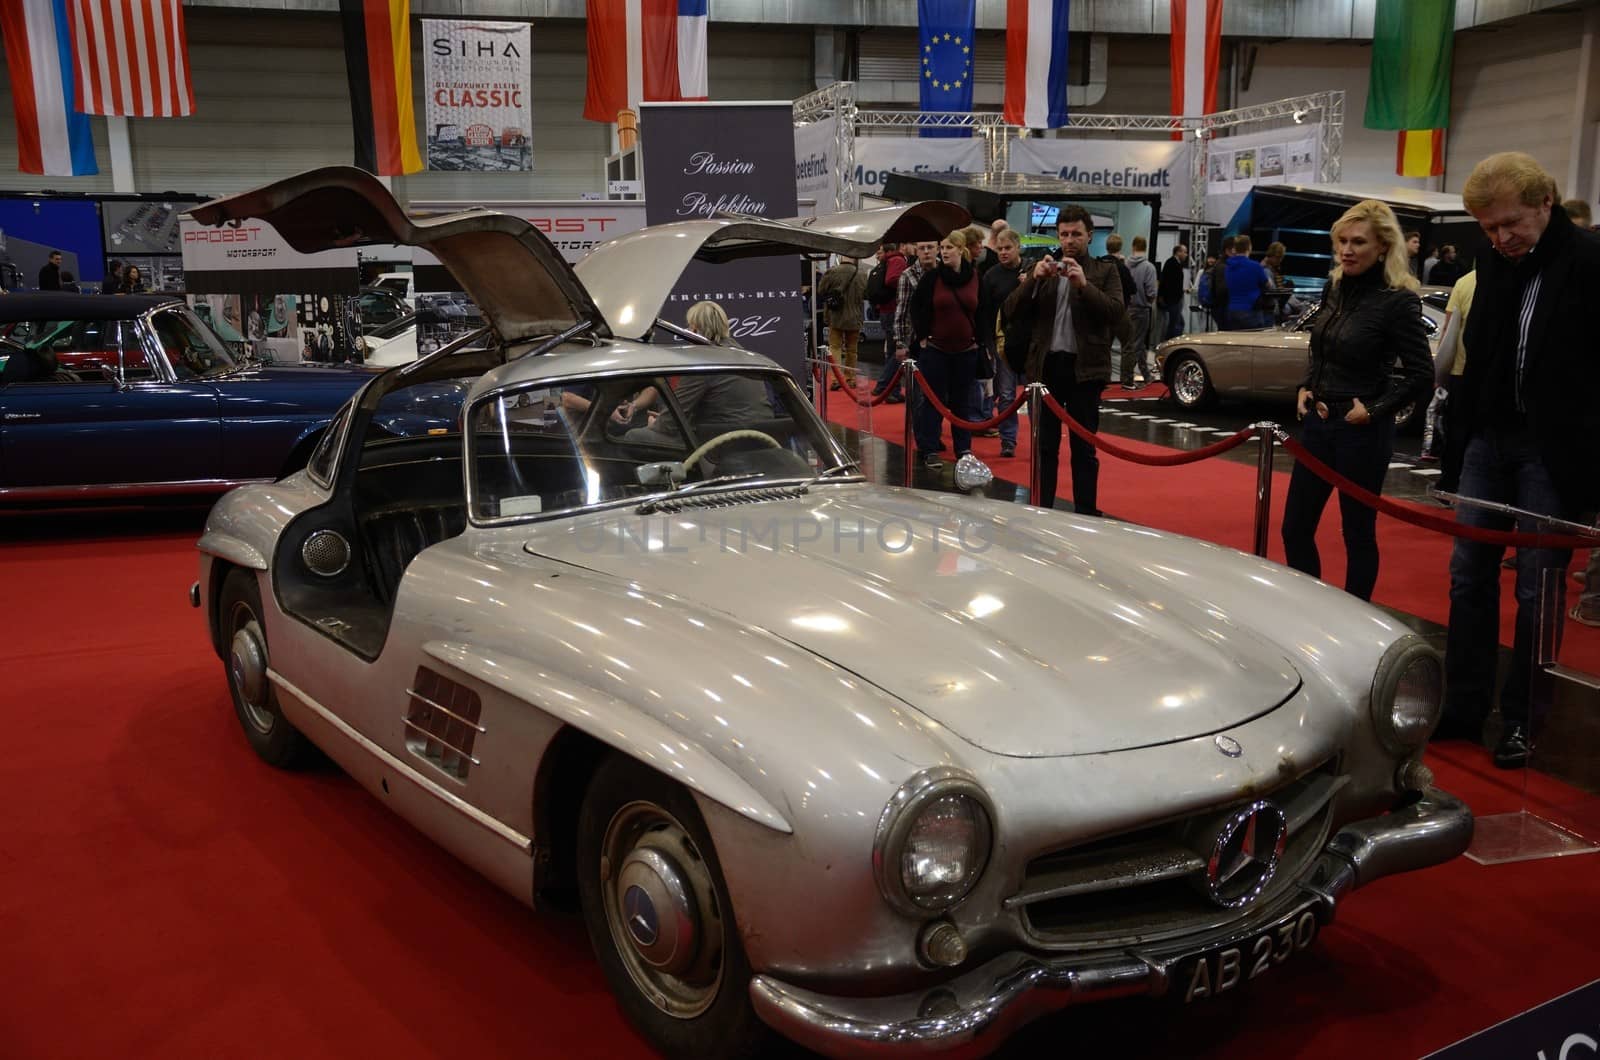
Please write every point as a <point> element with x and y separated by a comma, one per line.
<point>480,104</point>
<point>705,160</point>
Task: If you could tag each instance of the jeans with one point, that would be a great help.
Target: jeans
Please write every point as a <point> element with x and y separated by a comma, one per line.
<point>1082,402</point>
<point>1005,392</point>
<point>1500,465</point>
<point>1172,320</point>
<point>890,366</point>
<point>1361,454</point>
<point>842,344</point>
<point>1134,351</point>
<point>950,376</point>
<point>1244,319</point>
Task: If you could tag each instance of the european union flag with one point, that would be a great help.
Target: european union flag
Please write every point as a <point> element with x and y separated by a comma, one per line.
<point>946,31</point>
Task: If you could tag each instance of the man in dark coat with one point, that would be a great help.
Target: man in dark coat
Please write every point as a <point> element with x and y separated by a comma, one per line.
<point>1532,429</point>
<point>1174,275</point>
<point>995,333</point>
<point>1073,306</point>
<point>50,273</point>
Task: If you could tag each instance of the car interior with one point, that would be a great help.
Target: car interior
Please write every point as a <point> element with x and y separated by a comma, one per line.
<point>536,451</point>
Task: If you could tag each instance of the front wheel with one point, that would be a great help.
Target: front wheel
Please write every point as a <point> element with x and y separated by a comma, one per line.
<point>1189,382</point>
<point>254,699</point>
<point>659,916</point>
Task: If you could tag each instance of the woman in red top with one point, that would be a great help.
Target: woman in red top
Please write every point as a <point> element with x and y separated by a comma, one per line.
<point>944,310</point>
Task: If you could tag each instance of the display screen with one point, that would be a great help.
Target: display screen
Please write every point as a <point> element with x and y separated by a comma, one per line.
<point>1044,215</point>
<point>142,227</point>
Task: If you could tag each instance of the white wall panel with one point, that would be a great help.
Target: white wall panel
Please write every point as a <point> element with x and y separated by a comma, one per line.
<point>1514,88</point>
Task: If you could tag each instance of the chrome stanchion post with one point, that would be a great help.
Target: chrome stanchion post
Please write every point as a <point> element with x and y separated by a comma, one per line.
<point>908,371</point>
<point>1268,433</point>
<point>1036,412</point>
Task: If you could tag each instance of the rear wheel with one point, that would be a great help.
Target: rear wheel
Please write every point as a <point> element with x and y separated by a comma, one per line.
<point>659,916</point>
<point>244,639</point>
<point>1189,382</point>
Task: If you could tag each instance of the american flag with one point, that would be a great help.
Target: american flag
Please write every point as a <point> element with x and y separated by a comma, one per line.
<point>131,58</point>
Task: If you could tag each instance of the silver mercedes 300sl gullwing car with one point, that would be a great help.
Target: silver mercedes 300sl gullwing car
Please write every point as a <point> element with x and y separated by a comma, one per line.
<point>885,770</point>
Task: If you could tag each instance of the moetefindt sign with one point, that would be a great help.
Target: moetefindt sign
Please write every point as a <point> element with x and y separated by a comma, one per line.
<point>574,226</point>
<point>1565,1028</point>
<point>1159,166</point>
<point>878,156</point>
<point>479,104</point>
<point>252,258</point>
<point>816,149</point>
<point>701,159</point>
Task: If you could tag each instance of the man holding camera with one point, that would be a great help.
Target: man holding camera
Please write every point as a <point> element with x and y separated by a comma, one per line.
<point>1072,305</point>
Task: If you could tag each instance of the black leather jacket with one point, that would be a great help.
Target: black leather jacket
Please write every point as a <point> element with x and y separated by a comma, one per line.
<point>1364,328</point>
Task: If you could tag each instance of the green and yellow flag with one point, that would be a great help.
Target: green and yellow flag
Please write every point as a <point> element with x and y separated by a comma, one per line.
<point>1409,87</point>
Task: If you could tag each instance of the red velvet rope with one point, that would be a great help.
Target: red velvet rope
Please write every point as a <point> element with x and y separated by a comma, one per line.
<point>1188,456</point>
<point>1427,520</point>
<point>967,425</point>
<point>850,391</point>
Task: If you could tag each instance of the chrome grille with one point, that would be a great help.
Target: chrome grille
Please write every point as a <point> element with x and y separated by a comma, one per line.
<point>1146,885</point>
<point>441,723</point>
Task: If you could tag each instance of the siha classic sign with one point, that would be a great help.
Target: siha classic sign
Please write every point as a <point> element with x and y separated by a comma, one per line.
<point>708,160</point>
<point>479,104</point>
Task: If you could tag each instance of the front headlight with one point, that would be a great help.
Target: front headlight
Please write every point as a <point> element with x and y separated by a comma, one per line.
<point>1407,695</point>
<point>933,842</point>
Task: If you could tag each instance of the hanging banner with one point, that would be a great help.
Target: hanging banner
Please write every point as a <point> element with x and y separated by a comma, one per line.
<point>253,258</point>
<point>1159,166</point>
<point>1291,155</point>
<point>480,105</point>
<point>816,163</point>
<point>878,156</point>
<point>704,158</point>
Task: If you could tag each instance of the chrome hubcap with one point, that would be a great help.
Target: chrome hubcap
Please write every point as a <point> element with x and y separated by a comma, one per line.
<point>661,908</point>
<point>1189,382</point>
<point>247,666</point>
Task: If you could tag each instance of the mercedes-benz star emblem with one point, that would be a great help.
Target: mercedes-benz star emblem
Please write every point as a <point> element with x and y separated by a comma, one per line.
<point>641,916</point>
<point>1245,854</point>
<point>1229,746</point>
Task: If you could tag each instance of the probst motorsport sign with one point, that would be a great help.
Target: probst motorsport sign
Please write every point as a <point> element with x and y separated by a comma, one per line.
<point>252,258</point>
<point>480,108</point>
<point>702,159</point>
<point>1158,166</point>
<point>574,226</point>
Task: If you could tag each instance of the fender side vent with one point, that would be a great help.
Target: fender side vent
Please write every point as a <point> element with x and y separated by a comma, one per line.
<point>442,723</point>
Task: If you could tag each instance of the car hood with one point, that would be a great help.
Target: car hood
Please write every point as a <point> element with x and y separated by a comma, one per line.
<point>510,269</point>
<point>1042,635</point>
<point>631,277</point>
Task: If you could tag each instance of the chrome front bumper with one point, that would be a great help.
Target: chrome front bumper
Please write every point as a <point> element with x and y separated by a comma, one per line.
<point>974,1013</point>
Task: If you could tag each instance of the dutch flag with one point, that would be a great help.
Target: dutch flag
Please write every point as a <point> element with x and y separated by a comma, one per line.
<point>53,139</point>
<point>1036,63</point>
<point>644,50</point>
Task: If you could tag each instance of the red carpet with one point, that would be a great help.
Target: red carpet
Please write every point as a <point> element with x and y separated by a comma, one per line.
<point>1215,500</point>
<point>167,895</point>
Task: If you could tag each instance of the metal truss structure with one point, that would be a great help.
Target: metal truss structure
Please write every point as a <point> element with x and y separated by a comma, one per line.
<point>1326,109</point>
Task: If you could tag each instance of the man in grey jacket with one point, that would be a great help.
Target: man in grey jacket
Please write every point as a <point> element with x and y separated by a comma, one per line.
<point>1136,344</point>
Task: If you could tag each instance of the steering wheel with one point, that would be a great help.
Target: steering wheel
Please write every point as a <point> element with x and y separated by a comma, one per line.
<point>727,436</point>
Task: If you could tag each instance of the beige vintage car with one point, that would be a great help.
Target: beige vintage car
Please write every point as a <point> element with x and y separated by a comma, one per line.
<point>886,771</point>
<point>1265,364</point>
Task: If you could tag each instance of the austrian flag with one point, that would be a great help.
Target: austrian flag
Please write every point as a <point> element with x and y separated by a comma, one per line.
<point>1036,63</point>
<point>644,50</point>
<point>1196,56</point>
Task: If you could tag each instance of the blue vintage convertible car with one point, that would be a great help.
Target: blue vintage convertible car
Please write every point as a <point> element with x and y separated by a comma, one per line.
<point>127,396</point>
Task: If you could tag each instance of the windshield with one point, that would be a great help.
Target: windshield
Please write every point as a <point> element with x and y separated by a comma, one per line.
<point>585,442</point>
<point>192,349</point>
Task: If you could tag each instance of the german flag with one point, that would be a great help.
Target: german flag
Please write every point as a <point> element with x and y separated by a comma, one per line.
<point>1420,153</point>
<point>377,57</point>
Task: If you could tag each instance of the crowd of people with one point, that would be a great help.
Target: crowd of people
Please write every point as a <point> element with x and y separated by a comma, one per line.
<point>1507,423</point>
<point>120,278</point>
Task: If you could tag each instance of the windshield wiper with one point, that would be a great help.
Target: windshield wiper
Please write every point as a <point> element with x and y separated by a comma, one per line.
<point>693,487</point>
<point>849,466</point>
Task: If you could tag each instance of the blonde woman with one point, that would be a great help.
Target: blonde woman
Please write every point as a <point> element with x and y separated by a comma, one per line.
<point>1371,316</point>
